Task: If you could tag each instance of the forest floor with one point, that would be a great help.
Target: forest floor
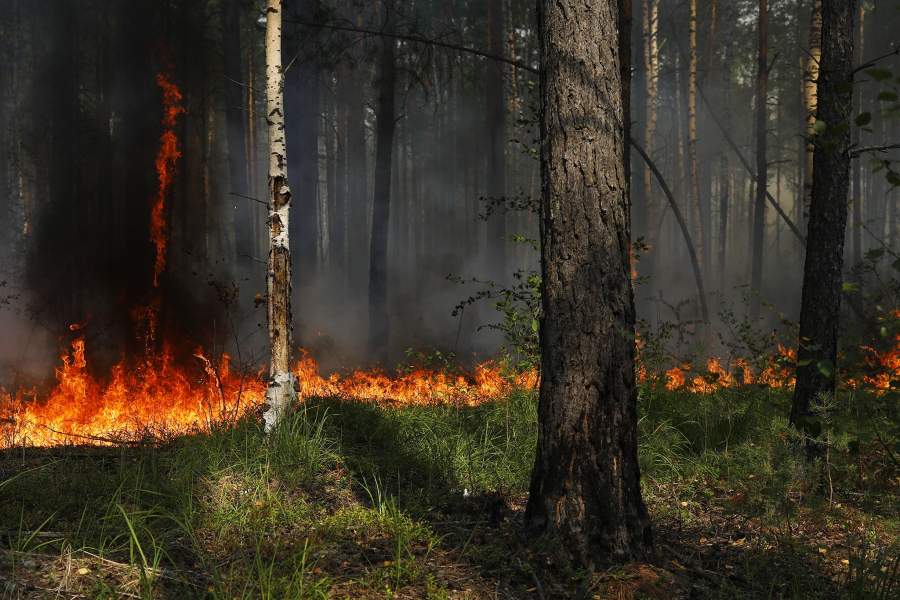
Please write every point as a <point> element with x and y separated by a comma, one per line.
<point>350,500</point>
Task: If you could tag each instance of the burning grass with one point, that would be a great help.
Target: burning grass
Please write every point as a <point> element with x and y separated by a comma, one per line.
<point>159,397</point>
<point>363,500</point>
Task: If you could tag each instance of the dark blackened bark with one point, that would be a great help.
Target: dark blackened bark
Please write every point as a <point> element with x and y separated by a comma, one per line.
<point>496,128</point>
<point>819,313</point>
<point>237,156</point>
<point>762,165</point>
<point>585,487</point>
<point>386,122</point>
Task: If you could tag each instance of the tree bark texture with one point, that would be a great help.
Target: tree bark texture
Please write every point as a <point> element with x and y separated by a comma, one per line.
<point>585,487</point>
<point>810,81</point>
<point>822,270</point>
<point>281,393</point>
<point>696,209</point>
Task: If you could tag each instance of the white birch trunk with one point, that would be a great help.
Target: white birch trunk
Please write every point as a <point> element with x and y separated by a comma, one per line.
<point>281,393</point>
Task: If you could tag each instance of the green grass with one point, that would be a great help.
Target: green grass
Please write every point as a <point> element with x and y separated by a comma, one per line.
<point>354,500</point>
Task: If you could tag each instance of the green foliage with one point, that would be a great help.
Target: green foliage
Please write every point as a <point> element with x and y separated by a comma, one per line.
<point>519,307</point>
<point>352,500</point>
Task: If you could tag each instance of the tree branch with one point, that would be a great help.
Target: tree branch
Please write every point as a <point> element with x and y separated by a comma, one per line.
<point>856,152</point>
<point>418,39</point>
<point>695,263</point>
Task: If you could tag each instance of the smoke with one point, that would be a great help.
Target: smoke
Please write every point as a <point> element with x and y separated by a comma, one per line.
<point>81,116</point>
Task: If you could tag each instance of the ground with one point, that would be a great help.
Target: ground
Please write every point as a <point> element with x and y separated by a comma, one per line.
<point>350,500</point>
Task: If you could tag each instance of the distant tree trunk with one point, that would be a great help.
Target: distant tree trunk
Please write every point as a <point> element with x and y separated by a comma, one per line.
<point>280,394</point>
<point>857,199</point>
<point>651,77</point>
<point>357,184</point>
<point>725,190</point>
<point>237,155</point>
<point>696,210</point>
<point>585,485</point>
<point>496,128</point>
<point>762,165</point>
<point>303,101</point>
<point>334,199</point>
<point>810,78</point>
<point>822,271</point>
<point>250,146</point>
<point>386,123</point>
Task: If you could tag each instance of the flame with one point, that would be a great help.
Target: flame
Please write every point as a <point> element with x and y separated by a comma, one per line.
<point>158,398</point>
<point>166,158</point>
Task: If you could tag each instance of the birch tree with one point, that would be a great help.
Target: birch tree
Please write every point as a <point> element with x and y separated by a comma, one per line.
<point>281,392</point>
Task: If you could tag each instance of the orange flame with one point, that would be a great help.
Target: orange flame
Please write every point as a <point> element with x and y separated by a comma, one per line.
<point>160,399</point>
<point>166,158</point>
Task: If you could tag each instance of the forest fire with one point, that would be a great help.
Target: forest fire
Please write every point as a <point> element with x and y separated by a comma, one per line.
<point>158,398</point>
<point>166,159</point>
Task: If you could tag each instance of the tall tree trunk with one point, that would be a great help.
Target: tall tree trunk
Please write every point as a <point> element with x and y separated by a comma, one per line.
<point>725,190</point>
<point>762,164</point>
<point>694,175</point>
<point>857,199</point>
<point>386,123</point>
<point>303,101</point>
<point>810,84</point>
<point>237,150</point>
<point>357,184</point>
<point>585,486</point>
<point>281,393</point>
<point>496,128</point>
<point>651,78</point>
<point>822,270</point>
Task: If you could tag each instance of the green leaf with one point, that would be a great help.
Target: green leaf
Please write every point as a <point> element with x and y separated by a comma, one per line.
<point>819,127</point>
<point>863,119</point>
<point>887,96</point>
<point>849,287</point>
<point>879,74</point>
<point>534,325</point>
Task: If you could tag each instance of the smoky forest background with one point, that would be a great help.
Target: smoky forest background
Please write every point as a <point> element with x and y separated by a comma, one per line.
<point>81,117</point>
<point>575,310</point>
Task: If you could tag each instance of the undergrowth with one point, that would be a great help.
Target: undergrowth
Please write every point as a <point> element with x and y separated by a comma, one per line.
<point>357,500</point>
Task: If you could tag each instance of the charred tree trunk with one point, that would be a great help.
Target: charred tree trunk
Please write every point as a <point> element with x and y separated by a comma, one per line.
<point>496,127</point>
<point>822,270</point>
<point>386,123</point>
<point>762,164</point>
<point>585,487</point>
<point>281,393</point>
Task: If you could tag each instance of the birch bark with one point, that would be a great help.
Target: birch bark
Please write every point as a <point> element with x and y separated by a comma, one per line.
<point>281,392</point>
